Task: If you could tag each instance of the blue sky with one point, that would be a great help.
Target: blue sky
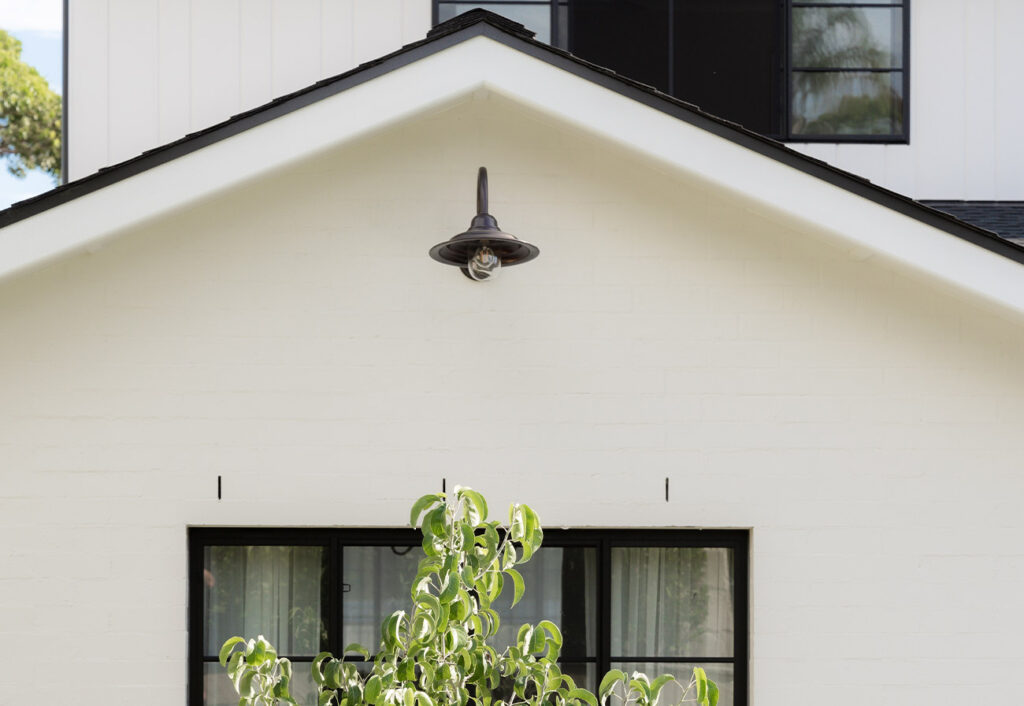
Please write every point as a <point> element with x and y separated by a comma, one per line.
<point>37,23</point>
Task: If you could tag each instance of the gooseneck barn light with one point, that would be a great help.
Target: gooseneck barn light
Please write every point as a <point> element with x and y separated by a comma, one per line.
<point>484,249</point>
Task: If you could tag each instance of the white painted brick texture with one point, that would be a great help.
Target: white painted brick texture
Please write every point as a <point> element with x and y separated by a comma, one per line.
<point>293,337</point>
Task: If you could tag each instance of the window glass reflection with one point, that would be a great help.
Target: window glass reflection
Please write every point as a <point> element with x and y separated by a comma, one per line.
<point>672,602</point>
<point>560,587</point>
<point>847,37</point>
<point>275,591</point>
<point>376,583</point>
<point>847,103</point>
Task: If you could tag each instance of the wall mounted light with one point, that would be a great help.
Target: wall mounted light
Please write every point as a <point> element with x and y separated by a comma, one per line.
<point>484,249</point>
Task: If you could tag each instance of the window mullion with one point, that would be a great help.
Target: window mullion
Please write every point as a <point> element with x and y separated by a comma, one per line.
<point>604,623</point>
<point>336,598</point>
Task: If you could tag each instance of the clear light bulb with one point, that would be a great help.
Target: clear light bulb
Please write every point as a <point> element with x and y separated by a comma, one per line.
<point>484,264</point>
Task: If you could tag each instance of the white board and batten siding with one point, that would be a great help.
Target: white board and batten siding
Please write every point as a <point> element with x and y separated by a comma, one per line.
<point>145,72</point>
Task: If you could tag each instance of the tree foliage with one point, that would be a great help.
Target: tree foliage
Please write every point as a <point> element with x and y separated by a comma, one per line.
<point>437,653</point>
<point>30,119</point>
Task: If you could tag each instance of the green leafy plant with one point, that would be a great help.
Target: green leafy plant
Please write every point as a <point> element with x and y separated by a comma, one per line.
<point>437,653</point>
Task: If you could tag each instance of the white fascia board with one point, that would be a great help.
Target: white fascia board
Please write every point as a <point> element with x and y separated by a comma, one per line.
<point>481,62</point>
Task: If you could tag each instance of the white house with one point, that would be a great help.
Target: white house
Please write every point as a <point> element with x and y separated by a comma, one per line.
<point>767,408</point>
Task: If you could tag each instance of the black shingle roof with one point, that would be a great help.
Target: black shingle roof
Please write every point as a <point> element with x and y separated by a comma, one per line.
<point>1004,218</point>
<point>512,34</point>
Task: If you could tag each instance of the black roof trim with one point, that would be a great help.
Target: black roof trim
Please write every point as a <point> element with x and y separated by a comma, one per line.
<point>471,17</point>
<point>483,23</point>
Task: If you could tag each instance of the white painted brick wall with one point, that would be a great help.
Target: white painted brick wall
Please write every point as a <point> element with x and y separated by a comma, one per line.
<point>293,337</point>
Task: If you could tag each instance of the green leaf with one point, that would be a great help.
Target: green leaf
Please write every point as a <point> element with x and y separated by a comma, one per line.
<point>423,504</point>
<point>497,584</point>
<point>236,661</point>
<point>358,649</point>
<point>701,678</point>
<point>429,602</point>
<point>477,505</point>
<point>640,683</point>
<point>516,523</point>
<point>318,676</point>
<point>332,674</point>
<point>712,693</point>
<point>325,698</point>
<point>519,585</point>
<point>373,690</point>
<point>449,589</point>
<point>435,519</point>
<point>552,630</point>
<point>422,627</point>
<point>245,687</point>
<point>613,677</point>
<point>229,645</point>
<point>657,685</point>
<point>582,695</point>
<point>537,641</point>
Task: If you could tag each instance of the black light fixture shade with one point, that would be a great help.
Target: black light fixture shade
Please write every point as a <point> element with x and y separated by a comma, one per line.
<point>483,233</point>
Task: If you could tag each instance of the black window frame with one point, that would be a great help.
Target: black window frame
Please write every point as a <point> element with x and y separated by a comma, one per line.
<point>787,112</point>
<point>783,110</point>
<point>603,540</point>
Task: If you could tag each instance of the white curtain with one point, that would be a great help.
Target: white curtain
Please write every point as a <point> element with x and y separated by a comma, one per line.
<point>264,590</point>
<point>672,602</point>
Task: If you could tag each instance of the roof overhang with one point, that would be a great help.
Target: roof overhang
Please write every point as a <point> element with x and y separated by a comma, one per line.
<point>81,215</point>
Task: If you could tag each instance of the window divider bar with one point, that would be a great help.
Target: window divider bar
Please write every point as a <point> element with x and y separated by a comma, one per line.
<point>844,69</point>
<point>604,598</point>
<point>662,660</point>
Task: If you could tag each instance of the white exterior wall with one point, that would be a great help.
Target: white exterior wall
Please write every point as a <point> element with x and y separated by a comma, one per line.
<point>293,337</point>
<point>145,72</point>
<point>142,73</point>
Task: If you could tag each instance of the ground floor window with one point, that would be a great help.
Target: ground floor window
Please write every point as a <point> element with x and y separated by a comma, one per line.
<point>637,600</point>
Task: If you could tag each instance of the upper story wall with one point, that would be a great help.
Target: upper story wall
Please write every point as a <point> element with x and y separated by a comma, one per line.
<point>145,72</point>
<point>142,73</point>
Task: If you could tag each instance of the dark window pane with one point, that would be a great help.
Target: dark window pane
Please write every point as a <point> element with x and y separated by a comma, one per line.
<point>672,602</point>
<point>721,674</point>
<point>627,36</point>
<point>847,37</point>
<point>847,103</point>
<point>376,583</point>
<point>560,587</point>
<point>727,60</point>
<point>273,591</point>
<point>562,40</point>
<point>534,17</point>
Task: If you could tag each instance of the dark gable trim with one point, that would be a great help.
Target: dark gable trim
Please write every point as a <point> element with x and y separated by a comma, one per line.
<point>511,34</point>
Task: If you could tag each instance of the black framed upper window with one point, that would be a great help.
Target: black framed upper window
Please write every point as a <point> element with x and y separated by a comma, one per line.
<point>652,601</point>
<point>847,71</point>
<point>814,70</point>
